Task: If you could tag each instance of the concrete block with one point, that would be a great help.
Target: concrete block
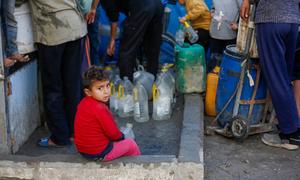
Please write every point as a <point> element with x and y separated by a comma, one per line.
<point>191,141</point>
<point>21,170</point>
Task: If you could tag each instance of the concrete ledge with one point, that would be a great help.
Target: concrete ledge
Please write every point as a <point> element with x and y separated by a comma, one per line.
<point>188,164</point>
<point>136,169</point>
<point>191,143</point>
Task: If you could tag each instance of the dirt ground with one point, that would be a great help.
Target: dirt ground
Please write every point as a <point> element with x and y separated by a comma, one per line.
<point>227,159</point>
<point>153,137</point>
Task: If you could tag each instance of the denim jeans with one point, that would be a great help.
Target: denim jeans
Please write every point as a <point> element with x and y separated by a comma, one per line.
<point>93,33</point>
<point>9,26</point>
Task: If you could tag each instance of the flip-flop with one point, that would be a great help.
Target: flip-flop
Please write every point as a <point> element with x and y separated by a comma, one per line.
<point>44,142</point>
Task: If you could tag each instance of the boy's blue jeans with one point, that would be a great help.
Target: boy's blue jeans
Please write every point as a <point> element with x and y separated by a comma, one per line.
<point>9,26</point>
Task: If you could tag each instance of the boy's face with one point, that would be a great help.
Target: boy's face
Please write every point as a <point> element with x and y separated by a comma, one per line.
<point>99,90</point>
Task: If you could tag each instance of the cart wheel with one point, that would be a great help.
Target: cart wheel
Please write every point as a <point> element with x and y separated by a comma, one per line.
<point>239,128</point>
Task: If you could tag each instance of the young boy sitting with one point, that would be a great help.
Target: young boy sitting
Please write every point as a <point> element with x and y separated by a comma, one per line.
<point>95,131</point>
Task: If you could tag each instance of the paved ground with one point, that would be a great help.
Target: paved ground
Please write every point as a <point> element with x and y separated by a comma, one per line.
<point>153,137</point>
<point>226,159</point>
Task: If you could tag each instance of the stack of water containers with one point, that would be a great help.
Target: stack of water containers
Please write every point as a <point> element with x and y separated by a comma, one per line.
<point>128,100</point>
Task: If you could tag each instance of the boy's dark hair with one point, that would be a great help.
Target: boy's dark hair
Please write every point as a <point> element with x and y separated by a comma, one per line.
<point>94,73</point>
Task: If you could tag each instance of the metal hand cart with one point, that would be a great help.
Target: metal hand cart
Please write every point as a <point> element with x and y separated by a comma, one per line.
<point>237,126</point>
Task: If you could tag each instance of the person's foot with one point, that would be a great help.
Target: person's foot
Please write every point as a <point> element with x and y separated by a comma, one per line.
<point>47,142</point>
<point>20,57</point>
<point>292,138</point>
<point>8,62</point>
<point>272,139</point>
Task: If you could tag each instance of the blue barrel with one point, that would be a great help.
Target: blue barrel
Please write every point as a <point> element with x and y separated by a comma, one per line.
<point>228,79</point>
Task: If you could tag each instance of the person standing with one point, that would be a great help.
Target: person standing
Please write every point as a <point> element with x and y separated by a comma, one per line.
<point>199,16</point>
<point>223,28</point>
<point>92,18</point>
<point>142,26</point>
<point>277,24</point>
<point>59,29</point>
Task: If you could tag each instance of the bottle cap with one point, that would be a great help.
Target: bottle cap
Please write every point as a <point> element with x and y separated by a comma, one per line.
<point>129,125</point>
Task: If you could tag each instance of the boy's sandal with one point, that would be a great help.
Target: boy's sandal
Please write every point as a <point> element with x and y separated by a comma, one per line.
<point>44,142</point>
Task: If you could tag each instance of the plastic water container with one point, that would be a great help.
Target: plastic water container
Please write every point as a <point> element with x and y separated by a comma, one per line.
<point>128,131</point>
<point>140,98</point>
<point>113,101</point>
<point>211,91</point>
<point>179,36</point>
<point>144,78</point>
<point>228,80</point>
<point>190,68</point>
<point>163,92</point>
<point>125,98</point>
<point>166,77</point>
<point>191,33</point>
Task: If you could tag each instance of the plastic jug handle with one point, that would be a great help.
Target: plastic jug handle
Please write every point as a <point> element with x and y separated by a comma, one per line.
<point>135,94</point>
<point>120,91</point>
<point>141,68</point>
<point>154,92</point>
<point>112,88</point>
<point>186,24</point>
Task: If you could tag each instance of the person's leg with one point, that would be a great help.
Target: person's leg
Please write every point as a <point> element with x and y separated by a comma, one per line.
<point>126,147</point>
<point>93,33</point>
<point>51,58</point>
<point>152,39</point>
<point>272,42</point>
<point>134,28</point>
<point>203,38</point>
<point>216,51</point>
<point>71,68</point>
<point>296,76</point>
<point>297,95</point>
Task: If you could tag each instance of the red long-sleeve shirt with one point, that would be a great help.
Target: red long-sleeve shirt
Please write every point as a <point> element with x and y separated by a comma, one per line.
<point>94,127</point>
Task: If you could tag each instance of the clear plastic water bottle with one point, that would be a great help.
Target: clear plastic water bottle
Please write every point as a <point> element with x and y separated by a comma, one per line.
<point>125,98</point>
<point>128,131</point>
<point>179,36</point>
<point>191,33</point>
<point>140,98</point>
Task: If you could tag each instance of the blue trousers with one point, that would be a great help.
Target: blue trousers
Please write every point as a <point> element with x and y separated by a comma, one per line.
<point>276,44</point>
<point>93,33</point>
<point>60,69</point>
<point>9,26</point>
